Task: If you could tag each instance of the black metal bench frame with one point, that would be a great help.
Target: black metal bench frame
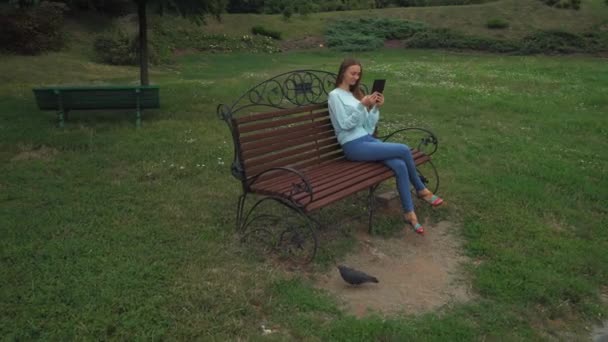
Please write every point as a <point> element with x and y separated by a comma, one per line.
<point>288,93</point>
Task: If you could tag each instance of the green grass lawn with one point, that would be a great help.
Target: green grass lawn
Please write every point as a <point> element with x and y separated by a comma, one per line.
<point>112,232</point>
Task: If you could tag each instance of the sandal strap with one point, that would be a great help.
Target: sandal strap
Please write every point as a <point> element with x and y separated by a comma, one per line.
<point>435,200</point>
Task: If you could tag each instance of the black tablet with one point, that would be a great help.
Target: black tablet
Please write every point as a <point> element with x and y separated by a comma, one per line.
<point>378,86</point>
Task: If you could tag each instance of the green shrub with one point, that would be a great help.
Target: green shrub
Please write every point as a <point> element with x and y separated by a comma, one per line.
<point>262,31</point>
<point>345,34</point>
<point>112,8</point>
<point>566,4</point>
<point>32,30</point>
<point>184,35</point>
<point>445,38</point>
<point>497,23</point>
<point>287,13</point>
<point>358,42</point>
<point>381,27</point>
<point>554,41</point>
<point>542,42</point>
<point>116,47</point>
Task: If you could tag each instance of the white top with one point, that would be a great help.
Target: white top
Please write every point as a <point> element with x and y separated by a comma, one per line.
<point>350,118</point>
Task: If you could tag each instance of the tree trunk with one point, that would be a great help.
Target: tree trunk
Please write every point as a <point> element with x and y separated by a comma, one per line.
<point>143,42</point>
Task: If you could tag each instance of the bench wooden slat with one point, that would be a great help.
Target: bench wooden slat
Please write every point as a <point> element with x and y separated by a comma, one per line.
<point>326,159</point>
<point>254,149</point>
<point>325,175</point>
<point>349,191</point>
<point>307,117</point>
<point>328,180</point>
<point>352,176</point>
<point>310,155</point>
<point>288,149</point>
<point>283,112</point>
<point>349,184</point>
<point>312,173</point>
<point>282,181</point>
<point>283,132</point>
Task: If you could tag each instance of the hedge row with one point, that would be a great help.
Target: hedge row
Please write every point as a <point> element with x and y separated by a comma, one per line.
<point>369,34</point>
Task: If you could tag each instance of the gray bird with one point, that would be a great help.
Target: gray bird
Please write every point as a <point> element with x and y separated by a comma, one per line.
<point>355,277</point>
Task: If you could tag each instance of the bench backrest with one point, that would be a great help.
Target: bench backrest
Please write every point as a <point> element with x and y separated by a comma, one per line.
<point>97,97</point>
<point>297,138</point>
<point>282,122</point>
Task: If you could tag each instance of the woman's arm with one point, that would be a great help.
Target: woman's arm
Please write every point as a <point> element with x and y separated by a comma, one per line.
<point>372,120</point>
<point>346,115</point>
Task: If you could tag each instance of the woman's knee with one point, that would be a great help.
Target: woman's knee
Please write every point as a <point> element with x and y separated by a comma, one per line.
<point>406,151</point>
<point>397,165</point>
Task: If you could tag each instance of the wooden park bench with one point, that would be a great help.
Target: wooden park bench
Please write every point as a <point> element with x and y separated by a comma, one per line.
<point>64,99</point>
<point>286,151</point>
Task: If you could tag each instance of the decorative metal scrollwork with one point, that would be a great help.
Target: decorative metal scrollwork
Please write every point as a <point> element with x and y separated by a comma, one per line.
<point>291,89</point>
<point>303,186</point>
<point>427,141</point>
<point>298,188</point>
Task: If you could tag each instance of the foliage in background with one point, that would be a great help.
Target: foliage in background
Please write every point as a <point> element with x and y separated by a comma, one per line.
<point>555,41</point>
<point>368,34</point>
<point>446,38</point>
<point>34,30</point>
<point>189,36</point>
<point>262,31</point>
<point>566,4</point>
<point>311,6</point>
<point>541,42</point>
<point>497,23</point>
<point>117,47</point>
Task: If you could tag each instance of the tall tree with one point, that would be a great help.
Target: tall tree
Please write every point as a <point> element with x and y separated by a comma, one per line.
<point>194,9</point>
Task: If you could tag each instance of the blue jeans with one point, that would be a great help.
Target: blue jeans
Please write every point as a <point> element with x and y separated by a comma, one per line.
<point>396,156</point>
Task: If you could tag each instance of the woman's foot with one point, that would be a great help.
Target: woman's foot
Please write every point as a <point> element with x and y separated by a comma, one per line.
<point>430,198</point>
<point>412,220</point>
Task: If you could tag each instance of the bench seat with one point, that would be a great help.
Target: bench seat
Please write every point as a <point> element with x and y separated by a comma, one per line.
<point>331,181</point>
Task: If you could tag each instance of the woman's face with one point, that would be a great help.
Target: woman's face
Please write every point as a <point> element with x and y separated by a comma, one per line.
<point>351,75</point>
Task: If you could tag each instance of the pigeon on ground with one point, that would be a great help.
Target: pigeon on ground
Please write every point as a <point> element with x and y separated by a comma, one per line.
<point>355,277</point>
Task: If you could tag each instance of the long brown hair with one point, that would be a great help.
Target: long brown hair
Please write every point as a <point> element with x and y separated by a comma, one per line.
<point>355,89</point>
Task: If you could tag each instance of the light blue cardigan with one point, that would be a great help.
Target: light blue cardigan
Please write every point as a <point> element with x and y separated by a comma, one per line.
<point>350,118</point>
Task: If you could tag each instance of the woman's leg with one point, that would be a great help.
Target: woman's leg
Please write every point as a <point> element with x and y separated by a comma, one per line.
<point>396,157</point>
<point>368,148</point>
<point>403,186</point>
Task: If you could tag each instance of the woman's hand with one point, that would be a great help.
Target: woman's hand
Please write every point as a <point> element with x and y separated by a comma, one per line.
<point>375,99</point>
<point>379,99</point>
<point>368,100</point>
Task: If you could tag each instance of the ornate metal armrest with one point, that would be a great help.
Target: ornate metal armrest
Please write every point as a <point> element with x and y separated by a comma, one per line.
<point>303,185</point>
<point>428,138</point>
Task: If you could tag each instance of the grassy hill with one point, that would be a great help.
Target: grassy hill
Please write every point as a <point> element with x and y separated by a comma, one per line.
<point>524,17</point>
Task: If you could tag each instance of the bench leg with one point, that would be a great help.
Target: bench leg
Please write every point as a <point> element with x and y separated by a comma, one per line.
<point>290,234</point>
<point>371,204</point>
<point>61,118</point>
<point>239,212</point>
<point>138,119</point>
<point>428,175</point>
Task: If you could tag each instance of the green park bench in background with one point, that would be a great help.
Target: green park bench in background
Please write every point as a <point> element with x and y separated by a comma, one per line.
<point>64,99</point>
